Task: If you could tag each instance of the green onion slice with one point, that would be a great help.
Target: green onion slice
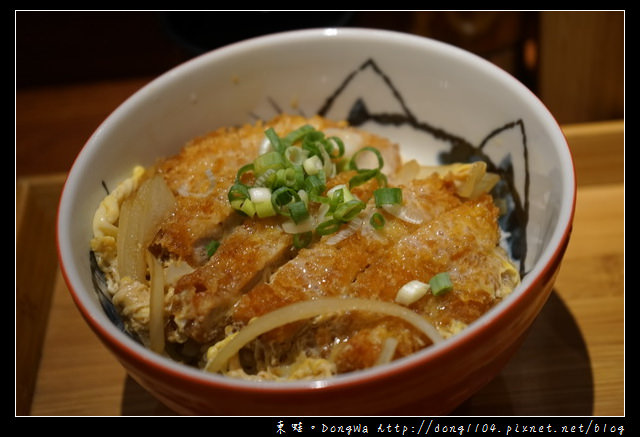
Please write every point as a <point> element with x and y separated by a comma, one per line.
<point>302,240</point>
<point>412,292</point>
<point>441,284</point>
<point>244,169</point>
<point>296,135</point>
<point>247,207</point>
<point>377,220</point>
<point>298,211</point>
<point>339,145</point>
<point>238,192</point>
<point>274,139</point>
<point>295,155</point>
<point>312,165</point>
<point>212,247</point>
<point>388,196</point>
<point>346,211</point>
<point>375,151</point>
<point>270,160</point>
<point>286,201</point>
<point>328,227</point>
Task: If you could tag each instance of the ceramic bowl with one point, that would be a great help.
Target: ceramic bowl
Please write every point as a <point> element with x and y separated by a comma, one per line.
<point>439,102</point>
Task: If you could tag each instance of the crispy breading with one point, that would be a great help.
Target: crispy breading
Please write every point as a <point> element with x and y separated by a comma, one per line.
<point>201,298</point>
<point>201,174</point>
<point>460,238</point>
<point>327,269</point>
<point>460,241</point>
<point>247,252</point>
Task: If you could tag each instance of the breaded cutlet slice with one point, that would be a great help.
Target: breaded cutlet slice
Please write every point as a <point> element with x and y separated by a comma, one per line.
<point>200,176</point>
<point>463,242</point>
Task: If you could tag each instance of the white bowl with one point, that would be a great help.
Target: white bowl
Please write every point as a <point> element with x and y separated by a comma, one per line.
<point>434,99</point>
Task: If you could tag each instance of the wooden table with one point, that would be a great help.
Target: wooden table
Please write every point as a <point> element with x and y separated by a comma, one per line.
<point>572,362</point>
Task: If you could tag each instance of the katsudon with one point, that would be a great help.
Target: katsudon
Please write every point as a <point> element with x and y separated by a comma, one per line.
<point>299,248</point>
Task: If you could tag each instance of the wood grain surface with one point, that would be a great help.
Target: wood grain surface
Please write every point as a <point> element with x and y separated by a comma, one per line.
<point>572,362</point>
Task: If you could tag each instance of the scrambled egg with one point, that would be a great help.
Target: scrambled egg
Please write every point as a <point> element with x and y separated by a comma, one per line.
<point>303,367</point>
<point>105,230</point>
<point>132,300</point>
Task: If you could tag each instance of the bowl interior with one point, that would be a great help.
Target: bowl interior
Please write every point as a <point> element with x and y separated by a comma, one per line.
<point>438,102</point>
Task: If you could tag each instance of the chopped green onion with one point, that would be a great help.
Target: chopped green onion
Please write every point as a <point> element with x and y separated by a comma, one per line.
<point>304,196</point>
<point>265,179</point>
<point>295,155</point>
<point>238,192</point>
<point>336,197</point>
<point>296,135</point>
<point>362,176</point>
<point>314,184</point>
<point>312,165</point>
<point>291,173</point>
<point>265,209</point>
<point>412,292</point>
<point>302,240</point>
<point>338,143</point>
<point>288,202</point>
<point>354,163</point>
<point>346,211</point>
<point>312,141</point>
<point>441,283</point>
<point>244,169</point>
<point>328,227</point>
<point>286,177</point>
<point>342,191</point>
<point>237,204</point>
<point>298,211</point>
<point>299,177</point>
<point>377,220</point>
<point>388,196</point>
<point>259,194</point>
<point>261,202</point>
<point>212,247</point>
<point>343,164</point>
<point>269,160</point>
<point>282,196</point>
<point>248,207</point>
<point>274,139</point>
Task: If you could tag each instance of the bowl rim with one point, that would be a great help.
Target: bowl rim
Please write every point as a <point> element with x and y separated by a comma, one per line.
<point>135,352</point>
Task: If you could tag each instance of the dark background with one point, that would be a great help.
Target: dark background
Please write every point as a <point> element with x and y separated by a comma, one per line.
<point>68,47</point>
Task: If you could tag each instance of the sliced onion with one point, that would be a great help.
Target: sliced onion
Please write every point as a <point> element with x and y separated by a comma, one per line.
<point>156,304</point>
<point>140,217</point>
<point>329,166</point>
<point>406,173</point>
<point>352,227</point>
<point>411,292</point>
<point>176,270</point>
<point>387,352</point>
<point>403,213</point>
<point>291,227</point>
<point>312,308</point>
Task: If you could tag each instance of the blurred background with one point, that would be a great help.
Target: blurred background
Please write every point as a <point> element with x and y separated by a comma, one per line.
<point>73,68</point>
